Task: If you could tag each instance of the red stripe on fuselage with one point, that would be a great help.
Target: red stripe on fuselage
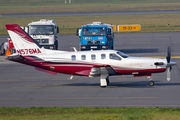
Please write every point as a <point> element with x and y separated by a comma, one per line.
<point>67,68</point>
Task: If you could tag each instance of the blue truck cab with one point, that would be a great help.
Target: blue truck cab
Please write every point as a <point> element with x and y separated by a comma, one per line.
<point>96,36</point>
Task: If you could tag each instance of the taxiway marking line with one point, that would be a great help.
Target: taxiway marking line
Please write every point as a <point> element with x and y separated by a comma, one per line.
<point>129,76</point>
<point>55,86</point>
<point>61,79</point>
<point>12,99</point>
<point>8,80</point>
<point>69,86</point>
<point>25,87</point>
<point>34,77</point>
<point>143,77</point>
<point>66,79</point>
<point>35,85</point>
<point>161,56</point>
<point>76,98</point>
<point>90,98</point>
<point>16,99</point>
<point>136,97</point>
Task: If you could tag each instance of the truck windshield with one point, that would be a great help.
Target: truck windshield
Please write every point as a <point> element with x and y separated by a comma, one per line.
<point>41,30</point>
<point>93,31</point>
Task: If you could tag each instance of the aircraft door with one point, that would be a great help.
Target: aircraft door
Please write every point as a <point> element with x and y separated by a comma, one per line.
<point>114,59</point>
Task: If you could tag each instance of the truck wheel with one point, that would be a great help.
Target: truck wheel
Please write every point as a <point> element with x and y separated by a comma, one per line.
<point>56,44</point>
<point>2,50</point>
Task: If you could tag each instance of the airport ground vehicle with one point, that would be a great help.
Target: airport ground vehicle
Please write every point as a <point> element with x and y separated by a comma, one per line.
<point>44,33</point>
<point>96,36</point>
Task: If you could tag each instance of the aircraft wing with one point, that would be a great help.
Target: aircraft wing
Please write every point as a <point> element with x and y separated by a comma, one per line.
<point>15,57</point>
<point>97,70</point>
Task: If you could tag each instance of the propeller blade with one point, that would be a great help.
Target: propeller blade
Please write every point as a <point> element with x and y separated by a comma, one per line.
<point>168,57</point>
<point>168,73</point>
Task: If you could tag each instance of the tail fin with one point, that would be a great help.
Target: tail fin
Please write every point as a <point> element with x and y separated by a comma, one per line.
<point>23,43</point>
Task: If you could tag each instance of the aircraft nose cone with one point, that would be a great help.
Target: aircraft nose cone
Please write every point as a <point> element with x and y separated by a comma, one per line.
<point>172,62</point>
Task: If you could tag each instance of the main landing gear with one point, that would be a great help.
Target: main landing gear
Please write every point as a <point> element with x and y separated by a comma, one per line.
<point>104,80</point>
<point>151,83</point>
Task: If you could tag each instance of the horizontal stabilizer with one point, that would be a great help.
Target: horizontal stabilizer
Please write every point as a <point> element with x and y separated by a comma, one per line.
<point>15,57</point>
<point>46,71</point>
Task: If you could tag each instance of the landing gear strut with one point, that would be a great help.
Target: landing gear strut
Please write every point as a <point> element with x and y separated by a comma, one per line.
<point>151,83</point>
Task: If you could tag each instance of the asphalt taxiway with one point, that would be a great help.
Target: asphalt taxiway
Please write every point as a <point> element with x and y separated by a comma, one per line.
<point>23,86</point>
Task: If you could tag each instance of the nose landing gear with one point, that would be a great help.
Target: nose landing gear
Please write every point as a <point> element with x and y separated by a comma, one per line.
<point>151,83</point>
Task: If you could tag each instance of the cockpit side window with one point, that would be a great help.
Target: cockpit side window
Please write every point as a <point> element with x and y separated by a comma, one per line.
<point>122,54</point>
<point>114,56</point>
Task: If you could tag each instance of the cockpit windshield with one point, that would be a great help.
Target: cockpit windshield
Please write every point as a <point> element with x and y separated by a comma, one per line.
<point>93,31</point>
<point>41,30</point>
<point>122,54</point>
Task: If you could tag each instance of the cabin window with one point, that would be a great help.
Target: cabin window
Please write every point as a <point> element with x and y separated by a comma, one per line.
<point>73,57</point>
<point>103,56</point>
<point>93,57</point>
<point>114,56</point>
<point>83,57</point>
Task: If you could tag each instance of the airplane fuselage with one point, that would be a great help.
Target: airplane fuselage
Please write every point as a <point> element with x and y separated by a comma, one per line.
<point>82,63</point>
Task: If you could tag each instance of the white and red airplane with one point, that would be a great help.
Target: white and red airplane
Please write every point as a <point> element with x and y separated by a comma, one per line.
<point>99,63</point>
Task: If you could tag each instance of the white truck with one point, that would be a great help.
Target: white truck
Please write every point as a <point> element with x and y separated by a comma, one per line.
<point>44,33</point>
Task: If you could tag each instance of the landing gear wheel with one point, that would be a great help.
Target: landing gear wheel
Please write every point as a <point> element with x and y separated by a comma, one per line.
<point>151,83</point>
<point>107,80</point>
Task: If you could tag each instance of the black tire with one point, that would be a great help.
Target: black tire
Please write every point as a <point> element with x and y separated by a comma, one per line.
<point>56,44</point>
<point>107,80</point>
<point>2,50</point>
<point>151,83</point>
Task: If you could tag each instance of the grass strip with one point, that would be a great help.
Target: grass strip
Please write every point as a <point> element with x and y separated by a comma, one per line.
<point>149,23</point>
<point>125,113</point>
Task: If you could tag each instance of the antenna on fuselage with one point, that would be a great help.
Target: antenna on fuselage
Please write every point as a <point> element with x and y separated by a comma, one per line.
<point>74,49</point>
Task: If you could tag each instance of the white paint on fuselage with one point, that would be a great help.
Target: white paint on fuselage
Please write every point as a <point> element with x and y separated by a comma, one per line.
<point>125,63</point>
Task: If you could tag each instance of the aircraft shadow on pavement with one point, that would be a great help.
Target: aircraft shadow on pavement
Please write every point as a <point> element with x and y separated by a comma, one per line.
<point>138,84</point>
<point>138,50</point>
